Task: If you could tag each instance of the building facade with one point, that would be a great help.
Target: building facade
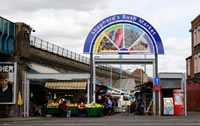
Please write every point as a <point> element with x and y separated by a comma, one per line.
<point>193,67</point>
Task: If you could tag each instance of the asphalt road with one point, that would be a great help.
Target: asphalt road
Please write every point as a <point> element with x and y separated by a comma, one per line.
<point>51,123</point>
<point>193,119</point>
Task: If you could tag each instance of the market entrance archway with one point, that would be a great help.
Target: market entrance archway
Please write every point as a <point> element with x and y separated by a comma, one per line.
<point>128,61</point>
<point>123,34</point>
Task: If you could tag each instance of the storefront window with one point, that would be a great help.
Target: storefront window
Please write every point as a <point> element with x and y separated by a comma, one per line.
<point>195,64</point>
<point>194,37</point>
<point>198,34</point>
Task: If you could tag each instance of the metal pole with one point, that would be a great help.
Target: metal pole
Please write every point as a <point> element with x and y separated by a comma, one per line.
<point>145,64</point>
<point>141,75</point>
<point>28,97</point>
<point>159,103</point>
<point>154,100</point>
<point>25,95</point>
<point>120,57</point>
<point>94,82</point>
<point>15,78</point>
<point>185,94</point>
<point>88,91</point>
<point>111,77</point>
<point>157,93</point>
<point>91,77</point>
<point>145,104</point>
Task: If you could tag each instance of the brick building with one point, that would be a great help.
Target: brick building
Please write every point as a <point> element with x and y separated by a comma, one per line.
<point>193,68</point>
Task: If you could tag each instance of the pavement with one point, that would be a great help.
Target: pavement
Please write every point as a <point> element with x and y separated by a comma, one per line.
<point>192,117</point>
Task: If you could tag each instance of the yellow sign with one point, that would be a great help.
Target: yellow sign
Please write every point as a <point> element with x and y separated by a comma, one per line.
<point>19,101</point>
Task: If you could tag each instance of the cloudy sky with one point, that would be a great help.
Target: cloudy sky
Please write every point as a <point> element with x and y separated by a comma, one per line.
<point>67,22</point>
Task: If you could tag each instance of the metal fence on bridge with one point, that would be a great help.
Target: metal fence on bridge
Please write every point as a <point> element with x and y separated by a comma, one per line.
<point>47,46</point>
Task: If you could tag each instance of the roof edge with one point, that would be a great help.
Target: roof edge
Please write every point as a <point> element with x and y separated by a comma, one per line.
<point>195,18</point>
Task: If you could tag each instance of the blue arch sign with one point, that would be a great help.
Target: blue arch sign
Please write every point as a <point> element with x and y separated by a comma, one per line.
<point>123,34</point>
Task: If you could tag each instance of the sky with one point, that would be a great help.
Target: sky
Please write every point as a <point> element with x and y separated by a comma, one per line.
<point>67,22</point>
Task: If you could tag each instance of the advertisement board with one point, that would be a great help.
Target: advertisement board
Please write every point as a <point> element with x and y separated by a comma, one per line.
<point>168,106</point>
<point>123,38</point>
<point>8,72</point>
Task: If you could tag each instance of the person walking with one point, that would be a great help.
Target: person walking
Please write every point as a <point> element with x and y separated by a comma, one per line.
<point>63,108</point>
<point>109,106</point>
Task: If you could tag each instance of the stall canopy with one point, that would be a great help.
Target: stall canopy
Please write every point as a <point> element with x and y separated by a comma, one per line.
<point>38,68</point>
<point>114,91</point>
<point>41,68</point>
<point>67,85</point>
<point>125,84</point>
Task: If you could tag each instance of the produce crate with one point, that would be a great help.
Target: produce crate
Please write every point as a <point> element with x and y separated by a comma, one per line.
<point>94,112</point>
<point>99,111</point>
<point>52,111</point>
<point>74,111</point>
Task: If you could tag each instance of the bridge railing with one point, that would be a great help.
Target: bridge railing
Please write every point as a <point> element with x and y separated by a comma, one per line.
<point>47,46</point>
<point>44,45</point>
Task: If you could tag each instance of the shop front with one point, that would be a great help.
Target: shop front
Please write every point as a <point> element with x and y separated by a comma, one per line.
<point>71,90</point>
<point>173,94</point>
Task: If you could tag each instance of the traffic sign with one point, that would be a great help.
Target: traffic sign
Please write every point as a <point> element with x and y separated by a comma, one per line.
<point>157,81</point>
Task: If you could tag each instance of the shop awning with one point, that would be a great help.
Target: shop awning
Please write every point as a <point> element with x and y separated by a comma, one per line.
<point>66,85</point>
<point>114,91</point>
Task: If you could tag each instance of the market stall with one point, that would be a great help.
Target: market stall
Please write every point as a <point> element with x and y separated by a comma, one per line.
<point>73,92</point>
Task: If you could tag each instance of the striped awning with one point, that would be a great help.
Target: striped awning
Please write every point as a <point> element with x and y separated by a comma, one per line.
<point>66,85</point>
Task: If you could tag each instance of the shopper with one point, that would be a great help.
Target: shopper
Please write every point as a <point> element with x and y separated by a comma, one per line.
<point>81,109</point>
<point>109,106</point>
<point>63,108</point>
<point>139,104</point>
<point>105,105</point>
